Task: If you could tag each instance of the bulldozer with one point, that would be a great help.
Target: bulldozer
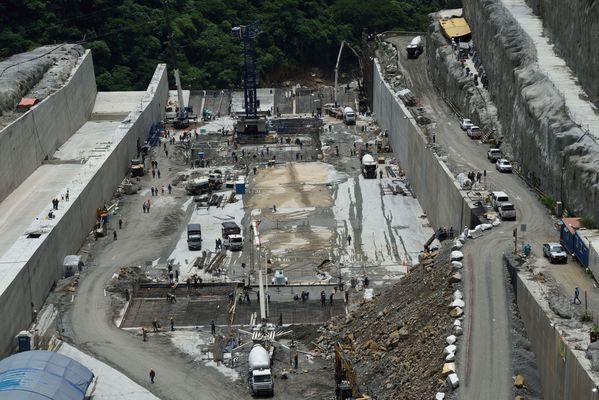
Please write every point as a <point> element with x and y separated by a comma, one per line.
<point>345,376</point>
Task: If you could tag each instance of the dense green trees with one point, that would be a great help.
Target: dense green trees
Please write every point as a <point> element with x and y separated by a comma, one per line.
<point>128,37</point>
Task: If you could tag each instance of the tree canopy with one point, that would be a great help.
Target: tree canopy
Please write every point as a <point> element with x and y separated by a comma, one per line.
<point>129,37</point>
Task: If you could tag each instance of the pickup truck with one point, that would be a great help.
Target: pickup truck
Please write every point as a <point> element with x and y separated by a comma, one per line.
<point>474,132</point>
<point>493,155</point>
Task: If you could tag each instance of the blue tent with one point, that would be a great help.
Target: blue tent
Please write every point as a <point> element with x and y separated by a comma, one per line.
<point>42,375</point>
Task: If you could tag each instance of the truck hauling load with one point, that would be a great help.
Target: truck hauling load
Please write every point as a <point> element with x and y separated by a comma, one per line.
<point>259,376</point>
<point>349,116</point>
<point>368,166</point>
<point>414,49</point>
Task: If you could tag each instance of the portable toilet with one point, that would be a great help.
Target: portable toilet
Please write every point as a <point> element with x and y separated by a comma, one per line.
<point>24,341</point>
<point>240,187</point>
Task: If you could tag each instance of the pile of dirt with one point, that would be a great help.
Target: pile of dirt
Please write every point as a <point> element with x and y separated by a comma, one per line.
<point>396,341</point>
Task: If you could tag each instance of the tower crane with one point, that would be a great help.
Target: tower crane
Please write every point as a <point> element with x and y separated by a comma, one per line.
<point>251,121</point>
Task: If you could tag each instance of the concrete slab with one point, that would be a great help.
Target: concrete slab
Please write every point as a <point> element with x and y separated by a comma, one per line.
<point>111,384</point>
<point>582,111</point>
<point>25,204</point>
<point>89,141</point>
<point>116,104</point>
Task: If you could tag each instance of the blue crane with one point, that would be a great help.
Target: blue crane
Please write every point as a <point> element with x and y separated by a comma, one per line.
<point>247,33</point>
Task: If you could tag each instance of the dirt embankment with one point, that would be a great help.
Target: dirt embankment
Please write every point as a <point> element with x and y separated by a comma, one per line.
<point>398,338</point>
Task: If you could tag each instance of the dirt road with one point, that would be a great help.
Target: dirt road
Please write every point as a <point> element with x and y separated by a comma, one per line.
<point>94,332</point>
<point>485,355</point>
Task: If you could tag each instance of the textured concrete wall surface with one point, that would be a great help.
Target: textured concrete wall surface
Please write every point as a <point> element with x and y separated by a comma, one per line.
<point>448,75</point>
<point>430,179</point>
<point>30,268</point>
<point>573,26</point>
<point>563,374</point>
<point>553,152</point>
<point>26,142</point>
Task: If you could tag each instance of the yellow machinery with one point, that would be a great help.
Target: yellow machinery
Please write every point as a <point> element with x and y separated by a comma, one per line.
<point>345,376</point>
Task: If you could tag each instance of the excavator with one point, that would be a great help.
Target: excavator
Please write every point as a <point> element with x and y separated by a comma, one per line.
<point>345,376</point>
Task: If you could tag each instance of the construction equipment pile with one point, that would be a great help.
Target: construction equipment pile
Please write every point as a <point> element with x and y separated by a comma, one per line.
<point>397,339</point>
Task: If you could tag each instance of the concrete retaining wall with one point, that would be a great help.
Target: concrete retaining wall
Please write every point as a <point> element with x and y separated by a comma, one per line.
<point>572,26</point>
<point>32,266</point>
<point>563,374</point>
<point>553,152</point>
<point>37,134</point>
<point>430,179</point>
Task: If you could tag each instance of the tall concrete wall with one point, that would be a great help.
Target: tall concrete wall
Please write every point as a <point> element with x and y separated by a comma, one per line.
<point>563,375</point>
<point>455,87</point>
<point>552,151</point>
<point>430,179</point>
<point>26,142</point>
<point>572,26</point>
<point>32,266</point>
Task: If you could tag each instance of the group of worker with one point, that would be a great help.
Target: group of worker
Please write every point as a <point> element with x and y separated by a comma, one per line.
<point>323,298</point>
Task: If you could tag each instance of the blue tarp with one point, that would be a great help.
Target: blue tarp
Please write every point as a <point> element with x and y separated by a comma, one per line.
<point>39,374</point>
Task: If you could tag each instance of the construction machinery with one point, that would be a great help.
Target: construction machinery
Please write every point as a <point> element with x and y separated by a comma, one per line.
<point>181,120</point>
<point>251,127</point>
<point>343,44</point>
<point>345,376</point>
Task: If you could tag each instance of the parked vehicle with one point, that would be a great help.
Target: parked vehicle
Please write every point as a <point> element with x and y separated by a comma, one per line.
<point>194,236</point>
<point>260,376</point>
<point>474,132</point>
<point>231,233</point>
<point>503,165</point>
<point>368,166</point>
<point>137,167</point>
<point>415,48</point>
<point>498,198</point>
<point>407,97</point>
<point>555,252</point>
<point>349,116</point>
<point>465,124</point>
<point>279,278</point>
<point>493,155</point>
<point>507,211</point>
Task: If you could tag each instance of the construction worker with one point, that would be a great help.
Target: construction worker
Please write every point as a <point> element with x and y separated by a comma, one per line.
<point>323,298</point>
<point>381,173</point>
<point>349,240</point>
<point>576,296</point>
<point>152,375</point>
<point>213,327</point>
<point>331,298</point>
<point>172,324</point>
<point>155,325</point>
<point>120,224</point>
<point>144,334</point>
<point>114,235</point>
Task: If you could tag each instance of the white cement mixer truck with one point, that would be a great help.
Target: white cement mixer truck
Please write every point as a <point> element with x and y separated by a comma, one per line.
<point>414,49</point>
<point>368,166</point>
<point>260,376</point>
<point>349,116</point>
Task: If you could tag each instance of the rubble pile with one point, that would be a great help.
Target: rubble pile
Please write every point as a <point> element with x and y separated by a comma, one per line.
<point>398,338</point>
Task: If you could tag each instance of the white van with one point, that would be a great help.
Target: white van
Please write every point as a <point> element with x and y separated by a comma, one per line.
<point>498,198</point>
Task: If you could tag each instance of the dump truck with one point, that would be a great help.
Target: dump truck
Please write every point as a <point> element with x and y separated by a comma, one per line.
<point>194,236</point>
<point>349,116</point>
<point>368,166</point>
<point>259,374</point>
<point>415,48</point>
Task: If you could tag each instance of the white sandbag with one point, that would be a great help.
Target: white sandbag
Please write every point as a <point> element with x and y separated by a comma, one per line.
<point>451,339</point>
<point>456,255</point>
<point>449,349</point>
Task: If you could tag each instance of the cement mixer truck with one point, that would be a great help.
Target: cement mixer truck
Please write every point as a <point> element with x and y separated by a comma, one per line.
<point>260,376</point>
<point>368,166</point>
<point>349,116</point>
<point>414,49</point>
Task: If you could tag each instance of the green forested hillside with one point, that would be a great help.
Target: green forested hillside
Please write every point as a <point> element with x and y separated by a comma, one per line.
<point>128,37</point>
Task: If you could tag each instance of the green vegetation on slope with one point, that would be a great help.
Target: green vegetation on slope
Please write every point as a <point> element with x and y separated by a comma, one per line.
<point>129,37</point>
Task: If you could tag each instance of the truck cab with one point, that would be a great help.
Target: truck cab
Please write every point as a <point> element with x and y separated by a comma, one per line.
<point>349,116</point>
<point>231,234</point>
<point>260,376</point>
<point>194,237</point>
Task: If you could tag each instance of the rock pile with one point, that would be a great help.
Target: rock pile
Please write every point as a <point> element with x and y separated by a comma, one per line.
<point>398,338</point>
